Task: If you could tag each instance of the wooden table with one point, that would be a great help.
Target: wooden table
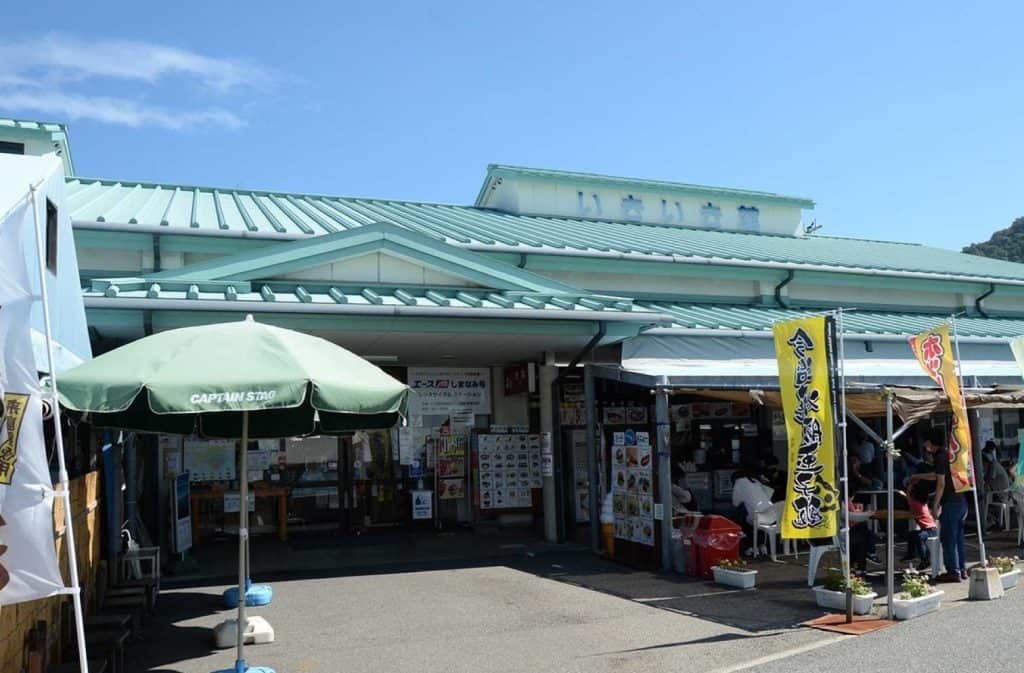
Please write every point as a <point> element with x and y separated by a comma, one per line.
<point>279,492</point>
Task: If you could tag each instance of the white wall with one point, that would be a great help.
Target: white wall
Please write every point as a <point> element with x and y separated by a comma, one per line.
<point>528,196</point>
<point>378,268</point>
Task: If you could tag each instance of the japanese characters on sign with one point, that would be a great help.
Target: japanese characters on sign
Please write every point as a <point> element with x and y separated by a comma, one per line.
<point>437,390</point>
<point>935,355</point>
<point>804,350</point>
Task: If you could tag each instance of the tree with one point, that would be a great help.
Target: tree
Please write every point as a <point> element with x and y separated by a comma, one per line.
<point>1005,244</point>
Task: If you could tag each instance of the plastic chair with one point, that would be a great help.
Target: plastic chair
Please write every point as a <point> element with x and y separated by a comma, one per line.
<point>1002,506</point>
<point>766,520</point>
<point>1018,501</point>
<point>815,560</point>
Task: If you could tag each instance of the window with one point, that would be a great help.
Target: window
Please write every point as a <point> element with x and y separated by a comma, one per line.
<point>7,147</point>
<point>51,236</point>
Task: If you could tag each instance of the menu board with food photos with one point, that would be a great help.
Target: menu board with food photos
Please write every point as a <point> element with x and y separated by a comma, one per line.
<point>508,469</point>
<point>451,467</point>
<point>633,487</point>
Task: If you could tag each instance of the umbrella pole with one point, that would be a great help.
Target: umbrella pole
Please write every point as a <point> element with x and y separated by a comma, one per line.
<point>243,540</point>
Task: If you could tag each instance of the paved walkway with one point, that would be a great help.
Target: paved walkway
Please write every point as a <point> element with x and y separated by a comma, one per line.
<point>507,606</point>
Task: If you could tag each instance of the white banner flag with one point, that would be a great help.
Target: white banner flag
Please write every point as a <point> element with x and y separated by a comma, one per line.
<point>28,560</point>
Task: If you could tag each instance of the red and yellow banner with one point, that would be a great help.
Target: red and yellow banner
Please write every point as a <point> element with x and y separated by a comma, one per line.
<point>934,353</point>
<point>804,350</point>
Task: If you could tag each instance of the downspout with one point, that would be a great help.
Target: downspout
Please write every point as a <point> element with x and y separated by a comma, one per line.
<point>522,260</point>
<point>556,444</point>
<point>983,297</point>
<point>778,288</point>
<point>157,264</point>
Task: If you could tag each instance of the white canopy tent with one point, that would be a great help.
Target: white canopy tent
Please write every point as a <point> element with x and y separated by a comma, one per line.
<point>748,361</point>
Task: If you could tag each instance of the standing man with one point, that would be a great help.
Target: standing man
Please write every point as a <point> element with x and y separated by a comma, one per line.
<point>948,506</point>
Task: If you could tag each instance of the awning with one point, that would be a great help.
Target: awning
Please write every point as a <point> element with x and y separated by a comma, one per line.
<point>910,404</point>
<point>731,361</point>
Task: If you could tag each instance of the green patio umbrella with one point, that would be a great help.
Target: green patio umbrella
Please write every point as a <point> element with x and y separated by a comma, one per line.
<point>234,380</point>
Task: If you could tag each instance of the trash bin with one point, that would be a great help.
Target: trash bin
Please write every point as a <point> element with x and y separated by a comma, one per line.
<point>716,539</point>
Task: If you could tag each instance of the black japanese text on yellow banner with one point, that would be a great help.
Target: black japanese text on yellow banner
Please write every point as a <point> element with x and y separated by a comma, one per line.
<point>805,353</point>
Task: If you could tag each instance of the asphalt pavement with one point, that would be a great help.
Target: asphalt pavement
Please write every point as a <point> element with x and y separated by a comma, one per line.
<point>484,618</point>
<point>966,637</point>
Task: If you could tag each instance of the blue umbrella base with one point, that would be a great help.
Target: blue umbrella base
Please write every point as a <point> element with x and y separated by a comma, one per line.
<point>255,596</point>
<point>241,667</point>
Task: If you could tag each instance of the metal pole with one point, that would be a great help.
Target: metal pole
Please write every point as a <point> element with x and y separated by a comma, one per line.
<point>243,536</point>
<point>844,450</point>
<point>890,580</point>
<point>664,474</point>
<point>594,480</point>
<point>58,438</point>
<point>974,480</point>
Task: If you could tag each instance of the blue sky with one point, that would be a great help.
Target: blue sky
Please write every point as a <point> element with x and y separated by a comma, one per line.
<point>901,122</point>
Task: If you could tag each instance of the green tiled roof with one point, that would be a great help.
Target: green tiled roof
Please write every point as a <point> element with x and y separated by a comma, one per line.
<point>347,297</point>
<point>759,319</point>
<point>495,170</point>
<point>213,211</point>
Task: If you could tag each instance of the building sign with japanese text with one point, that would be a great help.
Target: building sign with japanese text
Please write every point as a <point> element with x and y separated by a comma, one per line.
<point>435,391</point>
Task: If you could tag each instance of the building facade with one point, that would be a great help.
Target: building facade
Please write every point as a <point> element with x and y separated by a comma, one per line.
<point>546,271</point>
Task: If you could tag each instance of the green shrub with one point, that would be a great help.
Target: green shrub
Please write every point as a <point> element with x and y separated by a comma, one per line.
<point>835,581</point>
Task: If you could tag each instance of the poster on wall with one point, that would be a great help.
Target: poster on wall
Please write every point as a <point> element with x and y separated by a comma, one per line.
<point>633,487</point>
<point>509,467</point>
<point>210,459</point>
<point>438,390</point>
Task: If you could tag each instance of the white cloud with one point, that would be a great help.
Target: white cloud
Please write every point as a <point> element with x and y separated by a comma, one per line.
<point>57,75</point>
<point>57,105</point>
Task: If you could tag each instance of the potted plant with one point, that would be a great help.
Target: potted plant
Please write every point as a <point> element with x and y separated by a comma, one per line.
<point>734,574</point>
<point>1008,571</point>
<point>832,594</point>
<point>917,598</point>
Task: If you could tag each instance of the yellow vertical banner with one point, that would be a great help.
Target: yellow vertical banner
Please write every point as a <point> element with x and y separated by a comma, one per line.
<point>805,351</point>
<point>934,353</point>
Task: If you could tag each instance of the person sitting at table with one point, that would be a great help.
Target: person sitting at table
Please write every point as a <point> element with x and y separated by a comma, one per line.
<point>859,481</point>
<point>862,542</point>
<point>749,496</point>
<point>997,480</point>
<point>917,540</point>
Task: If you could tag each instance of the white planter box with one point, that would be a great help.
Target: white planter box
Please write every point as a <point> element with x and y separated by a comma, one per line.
<point>915,607</point>
<point>1010,579</point>
<point>836,600</point>
<point>740,579</point>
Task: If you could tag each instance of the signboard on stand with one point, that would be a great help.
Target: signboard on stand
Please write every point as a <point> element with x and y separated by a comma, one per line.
<point>422,505</point>
<point>182,506</point>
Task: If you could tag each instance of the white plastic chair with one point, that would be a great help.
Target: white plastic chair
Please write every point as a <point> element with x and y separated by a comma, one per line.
<point>1002,506</point>
<point>766,520</point>
<point>816,555</point>
<point>1018,502</point>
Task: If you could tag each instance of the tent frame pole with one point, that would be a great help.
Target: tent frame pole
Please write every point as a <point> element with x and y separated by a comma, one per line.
<point>844,460</point>
<point>890,556</point>
<point>58,438</point>
<point>974,477</point>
